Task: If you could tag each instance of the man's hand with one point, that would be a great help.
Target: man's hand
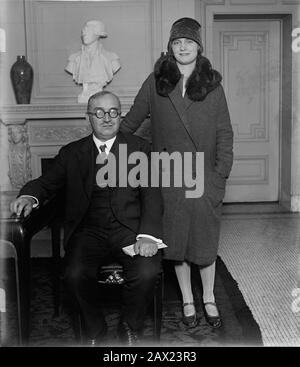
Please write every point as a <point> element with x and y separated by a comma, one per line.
<point>145,247</point>
<point>22,204</point>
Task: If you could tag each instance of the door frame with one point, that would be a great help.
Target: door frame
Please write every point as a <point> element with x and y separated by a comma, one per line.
<point>285,108</point>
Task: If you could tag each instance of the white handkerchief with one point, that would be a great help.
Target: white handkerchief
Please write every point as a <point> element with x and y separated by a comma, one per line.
<point>129,250</point>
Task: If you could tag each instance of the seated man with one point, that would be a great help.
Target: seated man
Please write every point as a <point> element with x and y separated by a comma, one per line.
<point>100,220</point>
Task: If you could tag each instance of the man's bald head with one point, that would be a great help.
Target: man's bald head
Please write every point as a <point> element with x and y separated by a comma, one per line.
<point>103,94</point>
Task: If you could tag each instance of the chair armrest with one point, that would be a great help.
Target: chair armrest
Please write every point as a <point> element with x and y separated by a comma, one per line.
<point>43,216</point>
<point>39,218</point>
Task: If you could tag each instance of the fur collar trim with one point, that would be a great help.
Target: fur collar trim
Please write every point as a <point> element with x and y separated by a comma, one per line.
<point>202,81</point>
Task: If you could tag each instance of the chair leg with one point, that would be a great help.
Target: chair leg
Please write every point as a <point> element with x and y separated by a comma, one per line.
<point>23,293</point>
<point>78,327</point>
<point>157,308</point>
<point>55,233</point>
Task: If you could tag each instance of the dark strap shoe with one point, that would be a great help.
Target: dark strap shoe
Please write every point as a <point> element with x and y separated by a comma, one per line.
<point>127,335</point>
<point>190,321</point>
<point>214,321</point>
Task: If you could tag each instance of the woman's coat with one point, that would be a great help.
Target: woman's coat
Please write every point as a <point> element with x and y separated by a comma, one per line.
<point>191,225</point>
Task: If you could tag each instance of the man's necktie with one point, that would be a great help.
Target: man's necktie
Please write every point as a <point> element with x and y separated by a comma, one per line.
<point>103,154</point>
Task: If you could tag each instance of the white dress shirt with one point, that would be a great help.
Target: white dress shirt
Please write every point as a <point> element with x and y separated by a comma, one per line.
<point>108,143</point>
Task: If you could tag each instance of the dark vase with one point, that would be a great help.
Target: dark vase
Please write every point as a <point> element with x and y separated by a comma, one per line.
<point>21,74</point>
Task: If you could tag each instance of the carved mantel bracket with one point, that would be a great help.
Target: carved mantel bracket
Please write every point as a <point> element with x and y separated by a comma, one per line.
<point>18,156</point>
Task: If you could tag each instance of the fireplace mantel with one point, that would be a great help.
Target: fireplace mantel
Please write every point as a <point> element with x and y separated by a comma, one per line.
<point>19,114</point>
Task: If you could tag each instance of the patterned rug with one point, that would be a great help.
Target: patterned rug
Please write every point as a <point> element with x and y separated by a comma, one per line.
<point>239,327</point>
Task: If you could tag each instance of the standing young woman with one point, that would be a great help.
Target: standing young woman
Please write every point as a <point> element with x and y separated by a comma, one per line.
<point>189,113</point>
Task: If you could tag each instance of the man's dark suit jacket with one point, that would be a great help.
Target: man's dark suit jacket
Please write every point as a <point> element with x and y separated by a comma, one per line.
<point>73,171</point>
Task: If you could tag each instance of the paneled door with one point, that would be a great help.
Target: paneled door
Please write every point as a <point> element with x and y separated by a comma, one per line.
<point>247,53</point>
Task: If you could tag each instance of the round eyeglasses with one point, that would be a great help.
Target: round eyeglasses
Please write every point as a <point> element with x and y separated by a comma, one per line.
<point>100,113</point>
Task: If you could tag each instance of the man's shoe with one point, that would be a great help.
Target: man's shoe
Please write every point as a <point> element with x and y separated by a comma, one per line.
<point>127,335</point>
<point>91,343</point>
<point>96,340</point>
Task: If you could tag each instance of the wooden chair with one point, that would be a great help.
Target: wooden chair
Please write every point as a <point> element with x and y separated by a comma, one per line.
<point>18,232</point>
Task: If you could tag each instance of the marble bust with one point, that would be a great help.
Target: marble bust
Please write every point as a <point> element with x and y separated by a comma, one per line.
<point>92,66</point>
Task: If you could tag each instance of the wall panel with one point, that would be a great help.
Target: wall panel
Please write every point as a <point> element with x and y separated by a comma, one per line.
<point>53,33</point>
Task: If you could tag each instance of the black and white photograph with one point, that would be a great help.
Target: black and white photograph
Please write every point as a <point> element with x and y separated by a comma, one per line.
<point>149,176</point>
